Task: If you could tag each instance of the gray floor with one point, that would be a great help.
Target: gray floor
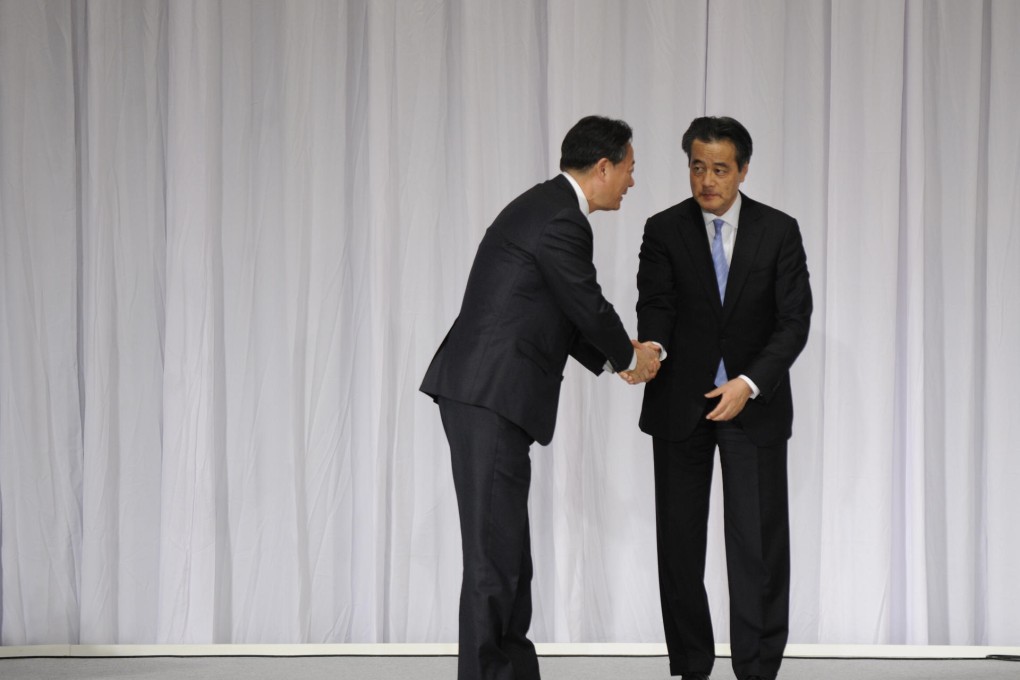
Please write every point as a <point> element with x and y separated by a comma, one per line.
<point>444,668</point>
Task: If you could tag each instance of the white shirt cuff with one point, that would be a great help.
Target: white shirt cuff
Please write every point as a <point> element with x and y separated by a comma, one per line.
<point>754,388</point>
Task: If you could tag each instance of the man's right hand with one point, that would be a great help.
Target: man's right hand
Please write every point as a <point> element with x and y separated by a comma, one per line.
<point>647,363</point>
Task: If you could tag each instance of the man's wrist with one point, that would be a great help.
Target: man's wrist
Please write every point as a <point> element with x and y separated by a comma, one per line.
<point>750,383</point>
<point>662,350</point>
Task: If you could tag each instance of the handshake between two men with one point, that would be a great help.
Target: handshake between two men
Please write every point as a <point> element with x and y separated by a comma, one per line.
<point>538,255</point>
<point>647,366</point>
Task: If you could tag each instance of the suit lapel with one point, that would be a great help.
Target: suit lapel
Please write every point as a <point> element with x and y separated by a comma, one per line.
<point>695,239</point>
<point>745,248</point>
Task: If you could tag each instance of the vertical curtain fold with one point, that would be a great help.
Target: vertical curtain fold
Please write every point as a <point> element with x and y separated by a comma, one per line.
<point>41,466</point>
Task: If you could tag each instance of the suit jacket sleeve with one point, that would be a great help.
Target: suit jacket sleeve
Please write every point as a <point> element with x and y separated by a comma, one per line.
<point>656,306</point>
<point>565,259</point>
<point>588,355</point>
<point>793,317</point>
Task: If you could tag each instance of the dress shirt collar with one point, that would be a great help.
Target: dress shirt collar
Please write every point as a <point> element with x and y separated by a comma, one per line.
<point>731,216</point>
<point>582,202</point>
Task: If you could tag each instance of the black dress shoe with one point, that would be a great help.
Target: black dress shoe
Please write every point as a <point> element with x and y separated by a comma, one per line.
<point>754,677</point>
<point>695,676</point>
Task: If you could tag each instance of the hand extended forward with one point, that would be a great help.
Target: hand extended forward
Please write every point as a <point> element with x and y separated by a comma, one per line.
<point>647,363</point>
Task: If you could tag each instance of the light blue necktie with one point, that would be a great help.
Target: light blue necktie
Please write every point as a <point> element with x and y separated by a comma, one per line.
<point>722,270</point>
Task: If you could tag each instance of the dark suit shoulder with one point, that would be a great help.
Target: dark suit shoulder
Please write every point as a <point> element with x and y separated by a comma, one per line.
<point>540,203</point>
<point>751,209</point>
<point>556,191</point>
<point>666,221</point>
<point>681,210</point>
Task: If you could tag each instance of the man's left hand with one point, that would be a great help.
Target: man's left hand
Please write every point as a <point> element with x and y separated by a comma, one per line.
<point>734,395</point>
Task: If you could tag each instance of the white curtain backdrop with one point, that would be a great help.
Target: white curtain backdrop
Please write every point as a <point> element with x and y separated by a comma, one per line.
<point>233,233</point>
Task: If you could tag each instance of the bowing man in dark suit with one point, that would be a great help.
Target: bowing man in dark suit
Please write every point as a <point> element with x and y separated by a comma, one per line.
<point>723,286</point>
<point>532,299</point>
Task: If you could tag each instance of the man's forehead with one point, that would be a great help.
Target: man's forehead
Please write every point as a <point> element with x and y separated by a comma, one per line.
<point>719,155</point>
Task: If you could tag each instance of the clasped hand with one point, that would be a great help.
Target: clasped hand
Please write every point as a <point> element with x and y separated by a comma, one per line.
<point>647,363</point>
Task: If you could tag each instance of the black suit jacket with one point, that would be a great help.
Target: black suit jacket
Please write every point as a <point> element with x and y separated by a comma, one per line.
<point>532,298</point>
<point>759,331</point>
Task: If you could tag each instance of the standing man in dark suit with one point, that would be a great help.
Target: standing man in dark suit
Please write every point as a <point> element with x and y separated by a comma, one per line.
<point>723,286</point>
<point>532,299</point>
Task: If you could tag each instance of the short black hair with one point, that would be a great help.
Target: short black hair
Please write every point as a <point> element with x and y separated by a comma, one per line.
<point>715,129</point>
<point>593,138</point>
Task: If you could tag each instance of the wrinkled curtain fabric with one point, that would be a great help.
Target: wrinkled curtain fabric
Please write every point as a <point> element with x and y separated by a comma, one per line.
<point>232,234</point>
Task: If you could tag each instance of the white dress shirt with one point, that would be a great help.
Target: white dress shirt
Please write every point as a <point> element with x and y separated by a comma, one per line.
<point>731,219</point>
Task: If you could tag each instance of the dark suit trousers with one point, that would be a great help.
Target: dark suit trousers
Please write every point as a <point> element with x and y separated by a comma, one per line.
<point>757,533</point>
<point>492,476</point>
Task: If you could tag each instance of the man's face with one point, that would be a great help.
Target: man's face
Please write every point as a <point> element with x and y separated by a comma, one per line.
<point>618,178</point>
<point>715,177</point>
